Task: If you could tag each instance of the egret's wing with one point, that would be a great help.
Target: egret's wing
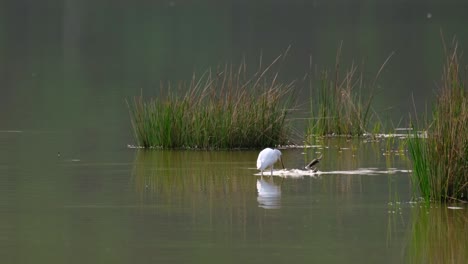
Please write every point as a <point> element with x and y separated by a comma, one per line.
<point>265,158</point>
<point>259,162</point>
<point>261,158</point>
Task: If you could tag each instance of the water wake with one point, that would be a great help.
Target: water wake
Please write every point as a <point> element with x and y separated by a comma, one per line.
<point>297,173</point>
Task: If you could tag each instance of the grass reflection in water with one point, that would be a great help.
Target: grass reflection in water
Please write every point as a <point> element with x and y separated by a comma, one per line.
<point>438,235</point>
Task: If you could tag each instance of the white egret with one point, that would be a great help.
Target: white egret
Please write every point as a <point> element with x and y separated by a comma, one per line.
<point>267,158</point>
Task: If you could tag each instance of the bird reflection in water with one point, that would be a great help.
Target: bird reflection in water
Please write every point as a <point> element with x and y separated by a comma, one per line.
<point>269,193</point>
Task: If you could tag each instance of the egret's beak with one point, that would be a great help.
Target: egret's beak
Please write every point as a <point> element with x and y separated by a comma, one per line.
<point>282,162</point>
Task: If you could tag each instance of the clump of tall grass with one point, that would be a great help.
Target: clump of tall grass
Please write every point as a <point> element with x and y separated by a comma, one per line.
<point>440,161</point>
<point>221,110</point>
<point>338,106</point>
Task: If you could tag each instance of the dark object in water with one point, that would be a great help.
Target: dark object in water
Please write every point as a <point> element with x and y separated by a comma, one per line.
<point>311,165</point>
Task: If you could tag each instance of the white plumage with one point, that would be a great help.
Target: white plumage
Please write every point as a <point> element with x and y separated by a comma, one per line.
<point>267,158</point>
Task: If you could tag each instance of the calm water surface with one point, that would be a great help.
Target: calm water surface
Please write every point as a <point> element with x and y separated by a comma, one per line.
<point>129,206</point>
<point>72,192</point>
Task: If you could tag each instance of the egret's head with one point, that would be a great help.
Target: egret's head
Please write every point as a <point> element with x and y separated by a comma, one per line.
<point>278,153</point>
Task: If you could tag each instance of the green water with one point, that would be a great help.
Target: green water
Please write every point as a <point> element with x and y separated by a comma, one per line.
<point>71,191</point>
<point>128,205</point>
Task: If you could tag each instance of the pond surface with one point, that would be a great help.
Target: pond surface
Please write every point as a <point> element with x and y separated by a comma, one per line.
<point>136,206</point>
<point>71,191</point>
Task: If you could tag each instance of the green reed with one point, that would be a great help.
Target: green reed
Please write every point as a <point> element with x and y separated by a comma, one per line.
<point>223,110</point>
<point>338,106</point>
<point>440,160</point>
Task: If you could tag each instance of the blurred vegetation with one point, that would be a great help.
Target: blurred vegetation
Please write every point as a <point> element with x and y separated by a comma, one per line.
<point>440,160</point>
<point>223,110</point>
<point>338,105</point>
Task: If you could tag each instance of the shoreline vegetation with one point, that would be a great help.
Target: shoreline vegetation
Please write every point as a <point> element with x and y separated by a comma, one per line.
<point>226,109</point>
<point>231,108</point>
<point>440,161</point>
<point>338,106</point>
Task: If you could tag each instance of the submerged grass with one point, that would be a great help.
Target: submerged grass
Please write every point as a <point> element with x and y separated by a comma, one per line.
<point>222,110</point>
<point>440,160</point>
<point>338,107</point>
